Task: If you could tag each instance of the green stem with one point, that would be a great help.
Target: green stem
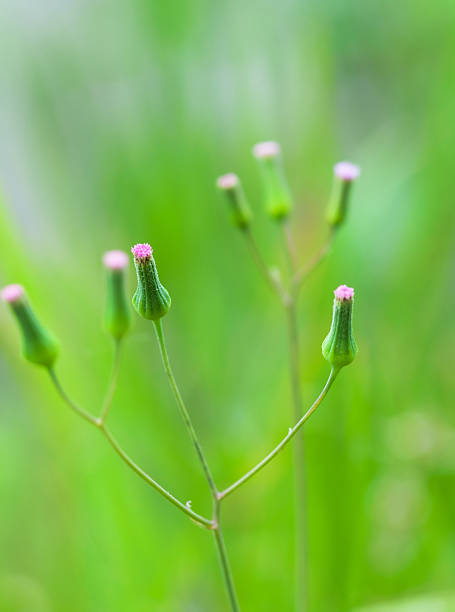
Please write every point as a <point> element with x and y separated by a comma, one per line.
<point>80,411</point>
<point>200,520</point>
<point>113,381</point>
<point>181,405</point>
<point>299,461</point>
<point>219,541</point>
<point>224,561</point>
<point>300,576</point>
<point>284,441</point>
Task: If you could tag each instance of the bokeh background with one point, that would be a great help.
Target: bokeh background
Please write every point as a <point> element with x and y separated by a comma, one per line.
<point>116,118</point>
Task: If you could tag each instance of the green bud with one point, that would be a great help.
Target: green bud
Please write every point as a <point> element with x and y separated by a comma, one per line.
<point>278,199</point>
<point>151,300</point>
<point>344,174</point>
<point>240,209</point>
<point>117,316</point>
<point>339,347</point>
<point>38,345</point>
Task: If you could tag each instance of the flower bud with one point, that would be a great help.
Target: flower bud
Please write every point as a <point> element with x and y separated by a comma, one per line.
<point>240,209</point>
<point>339,347</point>
<point>38,345</point>
<point>344,174</point>
<point>151,300</point>
<point>117,316</point>
<point>278,198</point>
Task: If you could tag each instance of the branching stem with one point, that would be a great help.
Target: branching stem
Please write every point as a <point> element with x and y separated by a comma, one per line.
<point>197,518</point>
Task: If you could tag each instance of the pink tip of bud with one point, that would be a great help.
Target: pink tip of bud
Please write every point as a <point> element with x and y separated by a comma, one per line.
<point>346,171</point>
<point>12,293</point>
<point>343,292</point>
<point>266,150</point>
<point>142,251</point>
<point>115,260</point>
<point>228,181</point>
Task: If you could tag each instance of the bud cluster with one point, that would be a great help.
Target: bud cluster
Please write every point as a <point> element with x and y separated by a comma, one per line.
<point>277,195</point>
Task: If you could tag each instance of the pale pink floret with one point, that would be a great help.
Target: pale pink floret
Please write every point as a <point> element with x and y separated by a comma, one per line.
<point>142,251</point>
<point>228,181</point>
<point>266,150</point>
<point>115,260</point>
<point>12,293</point>
<point>346,171</point>
<point>343,292</point>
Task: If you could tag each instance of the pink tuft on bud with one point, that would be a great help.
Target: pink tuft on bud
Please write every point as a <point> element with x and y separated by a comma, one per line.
<point>115,260</point>
<point>346,171</point>
<point>142,251</point>
<point>12,293</point>
<point>227,181</point>
<point>343,292</point>
<point>266,150</point>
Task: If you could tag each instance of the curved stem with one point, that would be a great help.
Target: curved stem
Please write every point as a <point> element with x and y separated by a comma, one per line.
<point>292,431</point>
<point>113,381</point>
<point>80,411</point>
<point>200,520</point>
<point>181,405</point>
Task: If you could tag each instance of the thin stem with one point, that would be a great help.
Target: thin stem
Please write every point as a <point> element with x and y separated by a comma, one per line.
<point>80,411</point>
<point>299,460</point>
<point>284,441</point>
<point>219,541</point>
<point>224,561</point>
<point>294,357</point>
<point>200,520</point>
<point>113,381</point>
<point>272,280</point>
<point>181,405</point>
<point>300,577</point>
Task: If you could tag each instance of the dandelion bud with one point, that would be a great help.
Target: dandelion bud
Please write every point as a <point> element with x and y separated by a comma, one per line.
<point>339,347</point>
<point>38,345</point>
<point>278,198</point>
<point>117,316</point>
<point>241,212</point>
<point>344,174</point>
<point>151,300</point>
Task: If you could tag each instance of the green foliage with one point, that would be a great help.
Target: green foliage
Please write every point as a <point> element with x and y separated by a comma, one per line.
<point>118,117</point>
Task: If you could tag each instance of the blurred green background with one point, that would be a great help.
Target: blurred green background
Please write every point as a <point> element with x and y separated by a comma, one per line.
<point>116,118</point>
